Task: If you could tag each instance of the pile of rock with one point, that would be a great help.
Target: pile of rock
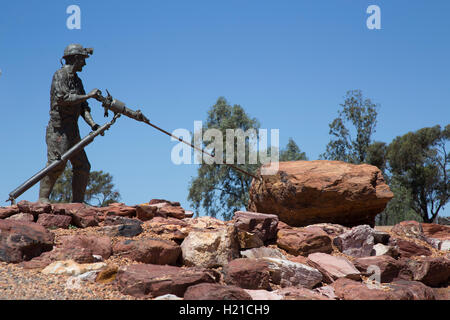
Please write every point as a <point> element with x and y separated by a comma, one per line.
<point>157,250</point>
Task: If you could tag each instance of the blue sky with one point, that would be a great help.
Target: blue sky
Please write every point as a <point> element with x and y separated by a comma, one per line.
<point>288,63</point>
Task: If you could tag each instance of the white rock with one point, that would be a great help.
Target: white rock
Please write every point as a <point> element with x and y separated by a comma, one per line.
<point>70,267</point>
<point>168,297</point>
<point>444,245</point>
<point>263,295</point>
<point>288,273</point>
<point>263,252</point>
<point>210,248</point>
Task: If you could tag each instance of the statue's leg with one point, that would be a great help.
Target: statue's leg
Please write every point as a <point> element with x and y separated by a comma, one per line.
<point>57,144</point>
<point>81,168</point>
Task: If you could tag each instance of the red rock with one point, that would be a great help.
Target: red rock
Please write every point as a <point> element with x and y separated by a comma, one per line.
<point>332,230</point>
<point>412,290</point>
<point>149,250</point>
<point>436,231</point>
<point>358,242</point>
<point>80,248</point>
<point>149,280</point>
<point>307,192</point>
<point>66,208</point>
<point>409,248</point>
<point>347,289</point>
<point>389,267</point>
<point>263,225</point>
<point>20,241</point>
<point>6,212</point>
<point>84,217</point>
<point>54,221</point>
<point>432,271</point>
<point>172,211</point>
<point>34,208</point>
<point>248,274</point>
<point>145,212</point>
<point>304,241</point>
<point>213,291</point>
<point>332,267</point>
<point>119,209</point>
<point>27,217</point>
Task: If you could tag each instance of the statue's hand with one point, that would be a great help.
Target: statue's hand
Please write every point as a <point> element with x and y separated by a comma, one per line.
<point>95,128</point>
<point>96,94</point>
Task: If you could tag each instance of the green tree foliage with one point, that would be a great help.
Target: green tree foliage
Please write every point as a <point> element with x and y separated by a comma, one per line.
<point>419,162</point>
<point>399,208</point>
<point>352,143</point>
<point>292,152</point>
<point>100,190</point>
<point>219,189</point>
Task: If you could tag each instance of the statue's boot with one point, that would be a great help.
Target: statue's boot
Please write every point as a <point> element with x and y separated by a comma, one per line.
<point>46,187</point>
<point>79,184</point>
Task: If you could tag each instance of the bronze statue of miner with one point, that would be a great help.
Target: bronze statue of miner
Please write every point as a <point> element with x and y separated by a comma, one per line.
<point>68,101</point>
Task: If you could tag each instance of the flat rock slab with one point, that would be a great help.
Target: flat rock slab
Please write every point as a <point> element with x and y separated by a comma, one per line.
<point>309,192</point>
<point>333,268</point>
<point>346,289</point>
<point>150,281</point>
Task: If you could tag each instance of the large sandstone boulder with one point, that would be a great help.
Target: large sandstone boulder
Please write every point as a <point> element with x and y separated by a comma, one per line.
<point>309,192</point>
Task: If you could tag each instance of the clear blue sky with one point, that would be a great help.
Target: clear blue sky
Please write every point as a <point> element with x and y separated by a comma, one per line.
<point>288,63</point>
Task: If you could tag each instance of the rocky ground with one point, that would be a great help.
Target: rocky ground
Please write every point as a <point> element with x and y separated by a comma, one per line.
<point>157,250</point>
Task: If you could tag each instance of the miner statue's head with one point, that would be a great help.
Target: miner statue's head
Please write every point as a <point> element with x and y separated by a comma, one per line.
<point>75,55</point>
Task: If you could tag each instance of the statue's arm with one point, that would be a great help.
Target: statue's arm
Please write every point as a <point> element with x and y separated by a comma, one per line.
<point>65,97</point>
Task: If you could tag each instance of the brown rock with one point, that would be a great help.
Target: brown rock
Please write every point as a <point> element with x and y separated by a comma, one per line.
<point>98,245</point>
<point>432,271</point>
<point>66,208</point>
<point>248,274</point>
<point>408,249</point>
<point>34,208</point>
<point>388,267</point>
<point>347,289</point>
<point>145,212</point>
<point>213,291</point>
<point>107,275</point>
<point>27,217</point>
<point>119,209</point>
<point>149,250</point>
<point>260,224</point>
<point>332,230</point>
<point>149,280</point>
<point>84,216</point>
<point>436,231</point>
<point>332,267</point>
<point>308,192</point>
<point>176,212</point>
<point>21,241</point>
<point>6,212</point>
<point>54,221</point>
<point>304,241</point>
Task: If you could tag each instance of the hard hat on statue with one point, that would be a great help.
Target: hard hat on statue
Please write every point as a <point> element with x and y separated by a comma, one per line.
<point>77,49</point>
